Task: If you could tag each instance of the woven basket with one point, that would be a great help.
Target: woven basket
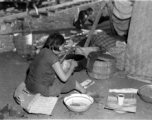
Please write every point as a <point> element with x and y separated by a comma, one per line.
<point>103,68</point>
<point>23,41</point>
<point>21,45</point>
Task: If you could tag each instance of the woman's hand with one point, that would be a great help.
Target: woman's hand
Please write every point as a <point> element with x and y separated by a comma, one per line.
<point>66,65</point>
<point>74,63</point>
<point>64,76</point>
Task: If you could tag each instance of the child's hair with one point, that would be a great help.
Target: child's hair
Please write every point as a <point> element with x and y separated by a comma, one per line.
<point>54,41</point>
<point>89,11</point>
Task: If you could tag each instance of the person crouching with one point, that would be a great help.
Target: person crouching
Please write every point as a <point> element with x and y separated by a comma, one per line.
<point>46,75</point>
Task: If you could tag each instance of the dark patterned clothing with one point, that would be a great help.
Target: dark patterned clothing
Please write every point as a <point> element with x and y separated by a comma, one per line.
<point>103,40</point>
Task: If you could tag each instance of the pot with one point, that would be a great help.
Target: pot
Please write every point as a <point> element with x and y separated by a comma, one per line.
<point>82,61</point>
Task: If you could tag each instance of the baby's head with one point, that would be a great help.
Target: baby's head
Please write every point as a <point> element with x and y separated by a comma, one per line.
<point>54,42</point>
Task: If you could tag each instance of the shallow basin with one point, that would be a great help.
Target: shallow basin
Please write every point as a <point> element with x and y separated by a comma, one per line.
<point>78,102</point>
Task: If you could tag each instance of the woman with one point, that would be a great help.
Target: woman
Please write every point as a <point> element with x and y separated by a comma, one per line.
<point>46,76</point>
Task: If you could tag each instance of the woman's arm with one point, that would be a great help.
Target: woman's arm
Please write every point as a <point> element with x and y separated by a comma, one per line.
<point>61,74</point>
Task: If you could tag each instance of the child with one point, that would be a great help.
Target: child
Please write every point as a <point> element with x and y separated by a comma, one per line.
<point>83,17</point>
<point>45,74</point>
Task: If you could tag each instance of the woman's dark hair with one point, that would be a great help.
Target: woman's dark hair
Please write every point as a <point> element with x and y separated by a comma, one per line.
<point>54,41</point>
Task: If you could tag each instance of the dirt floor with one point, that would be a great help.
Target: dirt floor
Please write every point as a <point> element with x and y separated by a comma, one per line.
<point>13,72</point>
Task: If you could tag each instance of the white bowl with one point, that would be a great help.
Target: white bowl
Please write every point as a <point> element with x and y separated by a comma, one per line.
<point>78,102</point>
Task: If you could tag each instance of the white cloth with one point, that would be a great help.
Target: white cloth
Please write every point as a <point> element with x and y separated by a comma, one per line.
<point>124,90</point>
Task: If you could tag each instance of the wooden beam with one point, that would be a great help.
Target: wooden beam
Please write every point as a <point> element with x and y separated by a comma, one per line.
<point>94,25</point>
<point>23,14</point>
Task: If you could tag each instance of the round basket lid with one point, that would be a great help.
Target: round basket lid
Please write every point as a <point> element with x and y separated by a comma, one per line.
<point>106,57</point>
<point>101,56</point>
<point>146,90</point>
<point>145,93</point>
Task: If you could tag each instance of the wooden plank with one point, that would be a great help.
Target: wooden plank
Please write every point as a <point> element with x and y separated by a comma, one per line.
<point>47,2</point>
<point>83,5</point>
<point>22,14</point>
<point>18,1</point>
<point>68,4</point>
<point>13,16</point>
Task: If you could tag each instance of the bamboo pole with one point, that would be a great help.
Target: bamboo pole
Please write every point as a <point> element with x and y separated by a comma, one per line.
<point>94,26</point>
<point>110,16</point>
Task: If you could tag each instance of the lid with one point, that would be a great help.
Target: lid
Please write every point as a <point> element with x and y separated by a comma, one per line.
<point>101,56</point>
<point>106,56</point>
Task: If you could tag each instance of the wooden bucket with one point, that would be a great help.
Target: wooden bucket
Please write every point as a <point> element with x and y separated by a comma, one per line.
<point>20,43</point>
<point>23,41</point>
<point>103,68</point>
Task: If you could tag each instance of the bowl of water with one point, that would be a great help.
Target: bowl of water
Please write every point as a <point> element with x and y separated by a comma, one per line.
<point>78,102</point>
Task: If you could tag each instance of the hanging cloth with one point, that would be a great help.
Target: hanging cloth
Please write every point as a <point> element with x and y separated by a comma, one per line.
<point>123,9</point>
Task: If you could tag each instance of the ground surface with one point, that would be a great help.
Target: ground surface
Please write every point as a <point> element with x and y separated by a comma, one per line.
<point>13,72</point>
